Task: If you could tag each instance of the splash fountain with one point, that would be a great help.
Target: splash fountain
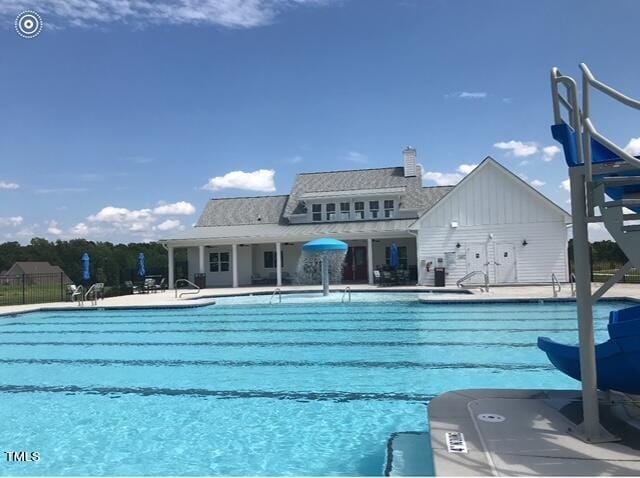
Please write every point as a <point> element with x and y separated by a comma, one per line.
<point>322,257</point>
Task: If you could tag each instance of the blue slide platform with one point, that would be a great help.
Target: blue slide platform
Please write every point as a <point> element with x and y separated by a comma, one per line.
<point>617,359</point>
<point>565,135</point>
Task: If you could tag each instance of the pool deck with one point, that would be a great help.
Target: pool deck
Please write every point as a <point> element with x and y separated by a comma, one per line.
<point>206,297</point>
<point>526,433</point>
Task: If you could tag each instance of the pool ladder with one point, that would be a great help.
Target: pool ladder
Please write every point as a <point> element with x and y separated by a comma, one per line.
<point>276,291</point>
<point>188,282</point>
<point>346,292</point>
<point>555,284</point>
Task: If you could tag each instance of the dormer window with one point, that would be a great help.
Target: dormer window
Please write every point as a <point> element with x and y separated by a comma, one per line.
<point>331,211</point>
<point>374,208</point>
<point>316,212</point>
<point>345,211</point>
<point>358,208</point>
<point>389,208</point>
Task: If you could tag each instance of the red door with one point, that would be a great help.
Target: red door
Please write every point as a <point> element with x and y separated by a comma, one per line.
<point>355,264</point>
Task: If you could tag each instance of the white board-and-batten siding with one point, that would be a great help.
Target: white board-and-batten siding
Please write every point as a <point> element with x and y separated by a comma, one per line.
<point>489,208</point>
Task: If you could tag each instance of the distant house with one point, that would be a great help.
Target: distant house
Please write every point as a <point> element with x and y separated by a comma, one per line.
<point>36,273</point>
<point>492,221</point>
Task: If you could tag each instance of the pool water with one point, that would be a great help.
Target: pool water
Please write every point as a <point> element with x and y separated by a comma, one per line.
<point>306,387</point>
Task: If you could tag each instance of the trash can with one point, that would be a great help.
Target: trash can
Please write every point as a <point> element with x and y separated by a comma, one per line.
<point>439,276</point>
<point>200,280</point>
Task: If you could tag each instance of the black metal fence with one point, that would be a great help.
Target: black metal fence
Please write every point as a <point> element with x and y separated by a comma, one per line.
<point>33,288</point>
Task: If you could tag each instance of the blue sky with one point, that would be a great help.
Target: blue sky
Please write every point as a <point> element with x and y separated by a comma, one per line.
<point>122,118</point>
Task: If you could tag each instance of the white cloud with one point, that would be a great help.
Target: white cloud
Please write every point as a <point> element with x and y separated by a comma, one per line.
<point>449,179</point>
<point>467,95</point>
<point>466,168</point>
<point>633,146</point>
<point>524,162</point>
<point>549,152</point>
<point>295,159</point>
<point>8,185</point>
<point>227,13</point>
<point>442,179</point>
<point>54,229</point>
<point>356,157</point>
<point>12,221</point>
<point>80,229</point>
<point>181,208</point>
<point>518,148</point>
<point>536,183</point>
<point>260,180</point>
<point>168,225</point>
<point>566,185</point>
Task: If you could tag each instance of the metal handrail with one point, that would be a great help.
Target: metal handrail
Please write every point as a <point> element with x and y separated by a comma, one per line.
<point>347,290</point>
<point>554,282</point>
<point>93,289</point>
<point>572,281</point>
<point>186,281</point>
<point>276,291</point>
<point>459,283</point>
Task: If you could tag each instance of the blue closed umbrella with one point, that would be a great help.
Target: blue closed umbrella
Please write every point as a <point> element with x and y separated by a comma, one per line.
<point>394,256</point>
<point>86,263</point>
<point>141,271</point>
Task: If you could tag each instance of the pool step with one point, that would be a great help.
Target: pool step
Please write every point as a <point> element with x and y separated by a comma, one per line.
<point>409,454</point>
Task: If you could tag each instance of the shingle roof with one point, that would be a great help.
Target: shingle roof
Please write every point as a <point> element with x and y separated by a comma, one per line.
<point>275,231</point>
<point>241,211</point>
<point>36,268</point>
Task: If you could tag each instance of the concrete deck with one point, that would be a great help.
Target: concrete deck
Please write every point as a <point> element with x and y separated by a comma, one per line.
<point>526,433</point>
<point>430,294</point>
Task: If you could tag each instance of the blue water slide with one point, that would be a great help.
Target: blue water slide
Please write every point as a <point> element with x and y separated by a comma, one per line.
<point>617,359</point>
<point>566,136</point>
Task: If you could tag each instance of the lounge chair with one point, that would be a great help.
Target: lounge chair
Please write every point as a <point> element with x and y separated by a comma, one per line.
<point>130,288</point>
<point>150,285</point>
<point>74,291</point>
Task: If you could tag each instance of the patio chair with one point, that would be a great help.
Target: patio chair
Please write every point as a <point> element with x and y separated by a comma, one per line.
<point>162,286</point>
<point>74,291</point>
<point>377,277</point>
<point>130,288</point>
<point>150,285</point>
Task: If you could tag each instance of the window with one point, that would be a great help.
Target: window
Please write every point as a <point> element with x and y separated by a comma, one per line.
<point>374,207</point>
<point>331,211</point>
<point>270,259</point>
<point>345,209</point>
<point>402,255</point>
<point>316,211</point>
<point>359,209</point>
<point>219,262</point>
<point>388,208</point>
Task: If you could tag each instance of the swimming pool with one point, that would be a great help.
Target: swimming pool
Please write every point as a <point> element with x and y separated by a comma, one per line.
<point>308,387</point>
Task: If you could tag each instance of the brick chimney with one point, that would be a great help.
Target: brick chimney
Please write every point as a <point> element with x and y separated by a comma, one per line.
<point>410,167</point>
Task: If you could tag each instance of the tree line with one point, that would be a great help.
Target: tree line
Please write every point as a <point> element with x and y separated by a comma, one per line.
<point>110,263</point>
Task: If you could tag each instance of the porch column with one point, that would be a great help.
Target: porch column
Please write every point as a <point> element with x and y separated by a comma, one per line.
<point>370,260</point>
<point>278,264</point>
<point>201,259</point>
<point>234,263</point>
<point>171,267</point>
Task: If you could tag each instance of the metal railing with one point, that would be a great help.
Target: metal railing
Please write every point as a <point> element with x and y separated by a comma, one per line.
<point>93,292</point>
<point>572,281</point>
<point>346,292</point>
<point>188,282</point>
<point>554,283</point>
<point>460,282</point>
<point>279,293</point>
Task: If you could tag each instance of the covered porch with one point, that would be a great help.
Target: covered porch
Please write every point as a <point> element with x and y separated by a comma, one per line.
<point>250,263</point>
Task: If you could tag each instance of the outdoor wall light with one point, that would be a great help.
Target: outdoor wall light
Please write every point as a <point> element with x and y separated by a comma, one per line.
<point>458,246</point>
<point>454,224</point>
<point>524,242</point>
